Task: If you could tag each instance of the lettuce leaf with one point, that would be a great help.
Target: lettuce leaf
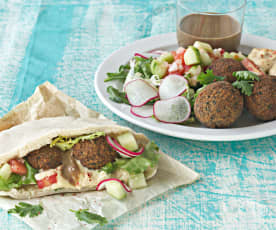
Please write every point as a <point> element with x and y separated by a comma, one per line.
<point>16,181</point>
<point>136,165</point>
<point>66,143</point>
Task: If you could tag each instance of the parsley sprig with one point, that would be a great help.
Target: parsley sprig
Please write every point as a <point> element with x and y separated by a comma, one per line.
<point>208,77</point>
<point>89,217</point>
<point>245,81</point>
<point>23,209</point>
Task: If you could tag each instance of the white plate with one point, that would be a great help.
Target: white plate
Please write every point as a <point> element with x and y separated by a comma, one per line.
<point>246,128</point>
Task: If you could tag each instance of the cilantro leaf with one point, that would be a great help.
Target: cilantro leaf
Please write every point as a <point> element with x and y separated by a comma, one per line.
<point>116,96</point>
<point>24,209</point>
<point>245,87</point>
<point>208,77</point>
<point>246,76</point>
<point>121,75</point>
<point>88,217</point>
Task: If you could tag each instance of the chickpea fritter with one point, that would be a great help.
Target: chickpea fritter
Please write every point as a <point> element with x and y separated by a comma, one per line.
<point>225,67</point>
<point>94,154</point>
<point>45,158</point>
<point>262,102</point>
<point>218,105</point>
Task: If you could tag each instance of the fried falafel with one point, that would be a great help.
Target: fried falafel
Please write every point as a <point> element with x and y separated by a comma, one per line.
<point>262,102</point>
<point>225,67</point>
<point>94,154</point>
<point>45,158</point>
<point>218,105</point>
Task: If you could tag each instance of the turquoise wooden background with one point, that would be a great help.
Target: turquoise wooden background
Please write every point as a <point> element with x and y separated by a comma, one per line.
<point>64,42</point>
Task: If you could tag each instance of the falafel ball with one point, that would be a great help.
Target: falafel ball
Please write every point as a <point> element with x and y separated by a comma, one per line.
<point>225,67</point>
<point>218,105</point>
<point>94,154</point>
<point>262,102</point>
<point>45,158</point>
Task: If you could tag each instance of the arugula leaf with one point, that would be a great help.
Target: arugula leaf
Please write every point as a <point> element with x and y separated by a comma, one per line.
<point>16,181</point>
<point>89,217</point>
<point>121,75</point>
<point>142,66</point>
<point>116,96</point>
<point>208,77</point>
<point>245,86</point>
<point>24,209</point>
<point>246,76</point>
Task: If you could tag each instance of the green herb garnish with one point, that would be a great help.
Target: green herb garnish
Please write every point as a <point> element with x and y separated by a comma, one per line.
<point>23,209</point>
<point>90,218</point>
<point>245,81</point>
<point>121,75</point>
<point>116,96</point>
<point>208,77</point>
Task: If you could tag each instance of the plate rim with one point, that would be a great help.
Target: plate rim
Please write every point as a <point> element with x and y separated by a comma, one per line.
<point>169,39</point>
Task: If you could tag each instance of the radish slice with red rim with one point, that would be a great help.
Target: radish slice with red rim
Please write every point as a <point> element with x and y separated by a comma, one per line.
<point>139,92</point>
<point>121,150</point>
<point>101,185</point>
<point>173,110</point>
<point>144,111</point>
<point>141,150</point>
<point>140,55</point>
<point>171,86</point>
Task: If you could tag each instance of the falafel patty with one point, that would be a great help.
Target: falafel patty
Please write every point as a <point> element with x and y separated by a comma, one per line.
<point>218,105</point>
<point>45,158</point>
<point>225,67</point>
<point>262,102</point>
<point>94,154</point>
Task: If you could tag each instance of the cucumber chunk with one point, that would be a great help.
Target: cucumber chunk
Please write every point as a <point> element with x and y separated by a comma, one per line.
<point>204,57</point>
<point>137,181</point>
<point>192,56</point>
<point>203,45</point>
<point>115,189</point>
<point>195,70</point>
<point>127,140</point>
<point>159,68</point>
<point>5,171</point>
<point>168,57</point>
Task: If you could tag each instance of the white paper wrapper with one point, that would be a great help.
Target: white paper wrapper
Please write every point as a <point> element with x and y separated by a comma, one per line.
<point>47,101</point>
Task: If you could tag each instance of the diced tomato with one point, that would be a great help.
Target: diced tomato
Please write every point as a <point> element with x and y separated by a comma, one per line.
<point>222,52</point>
<point>187,68</point>
<point>251,66</point>
<point>47,181</point>
<point>18,167</point>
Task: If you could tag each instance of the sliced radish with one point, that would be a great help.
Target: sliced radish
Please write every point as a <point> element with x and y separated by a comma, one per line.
<point>145,111</point>
<point>173,110</point>
<point>140,55</point>
<point>101,185</point>
<point>139,92</point>
<point>158,52</point>
<point>173,85</point>
<point>121,150</point>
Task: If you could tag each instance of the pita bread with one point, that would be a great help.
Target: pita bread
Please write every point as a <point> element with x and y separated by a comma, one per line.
<point>26,137</point>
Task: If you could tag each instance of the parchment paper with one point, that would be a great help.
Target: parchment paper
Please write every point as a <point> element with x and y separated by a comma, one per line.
<point>48,101</point>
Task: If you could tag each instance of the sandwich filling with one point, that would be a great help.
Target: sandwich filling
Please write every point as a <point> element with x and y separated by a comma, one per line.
<point>78,162</point>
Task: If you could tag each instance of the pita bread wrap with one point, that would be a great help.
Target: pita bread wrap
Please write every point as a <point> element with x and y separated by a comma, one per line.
<point>24,138</point>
